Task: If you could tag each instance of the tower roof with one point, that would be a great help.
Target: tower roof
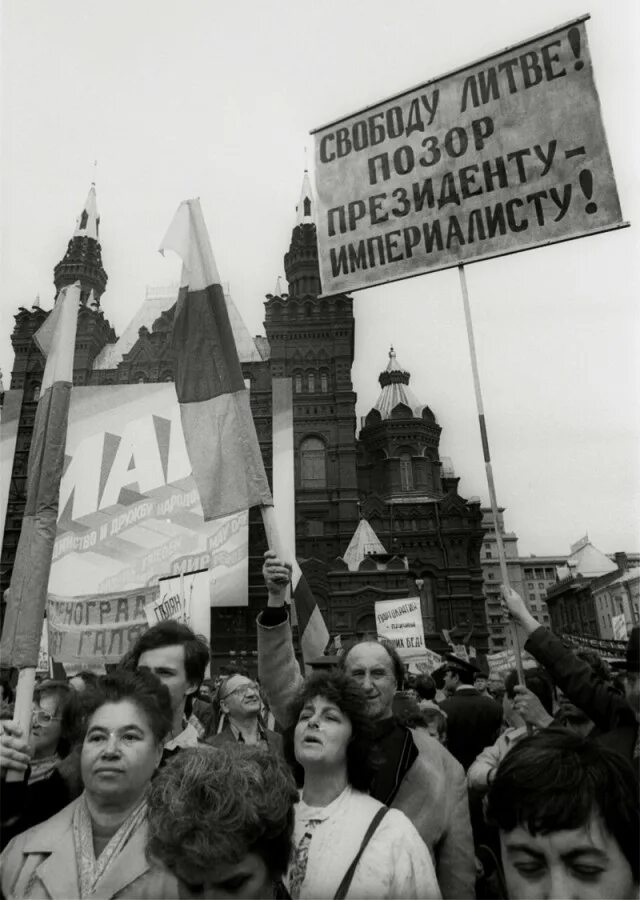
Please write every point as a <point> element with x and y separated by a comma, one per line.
<point>363,542</point>
<point>88,222</point>
<point>586,560</point>
<point>306,208</point>
<point>394,382</point>
<point>83,260</point>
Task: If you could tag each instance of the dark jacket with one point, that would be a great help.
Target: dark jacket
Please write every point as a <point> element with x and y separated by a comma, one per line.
<point>473,723</point>
<point>25,805</point>
<point>598,699</point>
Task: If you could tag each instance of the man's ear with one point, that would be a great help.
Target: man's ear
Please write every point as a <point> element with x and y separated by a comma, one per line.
<point>192,688</point>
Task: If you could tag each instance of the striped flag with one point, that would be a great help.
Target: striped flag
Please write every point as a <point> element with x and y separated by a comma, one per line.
<point>312,629</point>
<point>27,594</point>
<point>217,423</point>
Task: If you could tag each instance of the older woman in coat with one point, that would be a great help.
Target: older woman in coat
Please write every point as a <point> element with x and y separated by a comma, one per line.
<point>95,846</point>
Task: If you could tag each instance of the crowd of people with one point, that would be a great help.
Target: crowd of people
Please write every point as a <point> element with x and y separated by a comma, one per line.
<point>357,782</point>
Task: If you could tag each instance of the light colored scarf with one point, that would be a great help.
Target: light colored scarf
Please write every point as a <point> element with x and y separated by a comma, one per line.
<point>42,768</point>
<point>90,869</point>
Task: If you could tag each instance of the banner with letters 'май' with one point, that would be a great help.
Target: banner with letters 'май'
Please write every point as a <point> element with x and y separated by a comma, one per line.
<point>130,514</point>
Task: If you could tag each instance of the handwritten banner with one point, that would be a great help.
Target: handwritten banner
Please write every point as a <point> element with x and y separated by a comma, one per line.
<point>400,623</point>
<point>503,155</point>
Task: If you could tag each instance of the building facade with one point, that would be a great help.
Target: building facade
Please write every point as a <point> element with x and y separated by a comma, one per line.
<point>530,576</point>
<point>389,473</point>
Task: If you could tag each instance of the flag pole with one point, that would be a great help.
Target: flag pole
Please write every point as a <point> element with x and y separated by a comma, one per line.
<point>274,541</point>
<point>487,461</point>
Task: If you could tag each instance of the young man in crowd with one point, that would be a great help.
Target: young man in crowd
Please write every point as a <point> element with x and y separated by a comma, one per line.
<point>240,707</point>
<point>568,816</point>
<point>418,775</point>
<point>473,721</point>
<point>615,716</point>
<point>179,658</point>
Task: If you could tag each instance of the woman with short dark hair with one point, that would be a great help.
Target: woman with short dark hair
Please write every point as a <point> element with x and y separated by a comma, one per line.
<point>95,846</point>
<point>346,843</point>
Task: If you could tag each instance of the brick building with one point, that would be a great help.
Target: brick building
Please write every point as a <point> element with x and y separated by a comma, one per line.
<point>390,474</point>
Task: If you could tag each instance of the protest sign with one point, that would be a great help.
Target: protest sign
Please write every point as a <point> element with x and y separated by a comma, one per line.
<point>505,660</point>
<point>428,662</point>
<point>183,597</point>
<point>130,514</point>
<point>619,627</point>
<point>400,623</point>
<point>506,154</point>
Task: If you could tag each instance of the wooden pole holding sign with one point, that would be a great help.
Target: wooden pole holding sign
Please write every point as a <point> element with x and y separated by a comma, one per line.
<point>487,460</point>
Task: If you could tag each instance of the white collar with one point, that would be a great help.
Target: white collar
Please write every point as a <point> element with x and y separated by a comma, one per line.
<point>188,737</point>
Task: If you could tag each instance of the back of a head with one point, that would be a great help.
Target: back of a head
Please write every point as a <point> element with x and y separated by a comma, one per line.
<point>425,687</point>
<point>535,680</point>
<point>210,807</point>
<point>171,633</point>
<point>557,781</point>
<point>142,688</point>
<point>597,663</point>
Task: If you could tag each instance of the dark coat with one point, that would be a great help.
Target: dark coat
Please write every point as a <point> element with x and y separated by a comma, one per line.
<point>25,805</point>
<point>473,723</point>
<point>598,699</point>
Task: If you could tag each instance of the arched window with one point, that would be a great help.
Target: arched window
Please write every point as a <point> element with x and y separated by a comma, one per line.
<point>297,383</point>
<point>306,204</point>
<point>311,381</point>
<point>406,472</point>
<point>35,393</point>
<point>313,469</point>
<point>324,382</point>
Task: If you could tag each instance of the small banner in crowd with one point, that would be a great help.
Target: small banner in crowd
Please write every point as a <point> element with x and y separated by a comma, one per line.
<point>400,623</point>
<point>505,154</point>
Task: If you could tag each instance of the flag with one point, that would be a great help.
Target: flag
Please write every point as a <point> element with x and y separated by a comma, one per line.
<point>314,636</point>
<point>27,594</point>
<point>217,423</point>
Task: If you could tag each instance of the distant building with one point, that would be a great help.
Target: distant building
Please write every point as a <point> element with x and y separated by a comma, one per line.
<point>590,592</point>
<point>389,474</point>
<point>530,576</point>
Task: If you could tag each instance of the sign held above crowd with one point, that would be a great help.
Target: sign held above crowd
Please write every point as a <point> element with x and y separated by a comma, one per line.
<point>506,154</point>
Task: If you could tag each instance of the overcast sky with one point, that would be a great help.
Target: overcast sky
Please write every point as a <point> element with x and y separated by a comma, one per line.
<point>213,99</point>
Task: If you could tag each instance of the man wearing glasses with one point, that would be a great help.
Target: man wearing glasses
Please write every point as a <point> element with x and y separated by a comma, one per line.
<point>240,705</point>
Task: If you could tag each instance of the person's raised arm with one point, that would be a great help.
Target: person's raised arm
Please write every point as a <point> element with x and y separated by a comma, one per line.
<point>278,670</point>
<point>575,677</point>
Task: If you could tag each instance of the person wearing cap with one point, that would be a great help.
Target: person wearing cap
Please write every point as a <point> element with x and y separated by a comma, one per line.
<point>473,721</point>
<point>614,715</point>
<point>240,705</point>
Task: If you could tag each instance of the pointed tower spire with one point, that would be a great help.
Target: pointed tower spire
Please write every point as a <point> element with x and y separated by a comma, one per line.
<point>36,302</point>
<point>301,262</point>
<point>306,208</point>
<point>83,260</point>
<point>88,222</point>
<point>281,287</point>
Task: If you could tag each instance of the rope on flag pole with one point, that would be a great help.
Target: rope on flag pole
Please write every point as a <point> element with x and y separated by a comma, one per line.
<point>487,462</point>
